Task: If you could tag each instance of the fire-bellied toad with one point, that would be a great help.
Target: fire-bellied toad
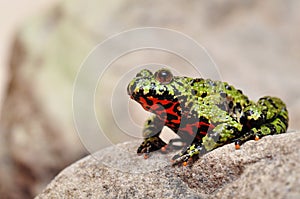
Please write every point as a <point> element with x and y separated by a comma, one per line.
<point>206,114</point>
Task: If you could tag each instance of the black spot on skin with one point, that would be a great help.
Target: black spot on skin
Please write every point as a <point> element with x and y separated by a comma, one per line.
<point>280,124</point>
<point>263,118</point>
<point>196,80</point>
<point>230,104</point>
<point>204,94</point>
<point>272,102</point>
<point>194,92</point>
<point>228,87</point>
<point>230,127</point>
<point>223,95</point>
<point>263,98</point>
<point>169,105</point>
<point>149,102</point>
<point>176,109</point>
<point>172,117</point>
<point>272,128</point>
<point>203,128</point>
<point>238,105</point>
<point>180,83</point>
<point>203,119</point>
<point>238,108</point>
<point>284,120</point>
<point>249,112</point>
<point>241,92</point>
<point>243,119</point>
<point>141,92</point>
<point>233,129</point>
<point>162,96</point>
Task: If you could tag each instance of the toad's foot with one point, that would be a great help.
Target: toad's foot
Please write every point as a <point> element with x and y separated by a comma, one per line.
<point>189,155</point>
<point>149,145</point>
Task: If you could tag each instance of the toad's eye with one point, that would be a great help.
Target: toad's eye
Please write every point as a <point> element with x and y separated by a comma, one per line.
<point>164,76</point>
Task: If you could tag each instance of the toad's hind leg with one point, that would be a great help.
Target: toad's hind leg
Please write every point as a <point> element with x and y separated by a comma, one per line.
<point>269,116</point>
<point>191,153</point>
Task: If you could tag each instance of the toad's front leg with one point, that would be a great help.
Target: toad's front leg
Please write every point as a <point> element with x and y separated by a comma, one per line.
<point>151,132</point>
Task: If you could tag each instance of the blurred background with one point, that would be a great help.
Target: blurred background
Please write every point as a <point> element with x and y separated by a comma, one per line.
<point>255,44</point>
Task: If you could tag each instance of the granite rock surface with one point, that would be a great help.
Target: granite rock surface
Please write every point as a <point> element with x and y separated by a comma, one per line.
<point>268,168</point>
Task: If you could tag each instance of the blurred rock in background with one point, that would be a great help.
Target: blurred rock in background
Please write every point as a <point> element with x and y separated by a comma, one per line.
<point>254,43</point>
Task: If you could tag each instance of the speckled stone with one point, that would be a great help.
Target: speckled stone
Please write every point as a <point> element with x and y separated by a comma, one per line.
<point>268,168</point>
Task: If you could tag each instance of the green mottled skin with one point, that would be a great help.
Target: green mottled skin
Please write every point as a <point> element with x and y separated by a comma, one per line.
<point>206,114</point>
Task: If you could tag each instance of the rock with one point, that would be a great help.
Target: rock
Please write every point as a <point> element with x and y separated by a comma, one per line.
<point>268,168</point>
<point>254,43</point>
